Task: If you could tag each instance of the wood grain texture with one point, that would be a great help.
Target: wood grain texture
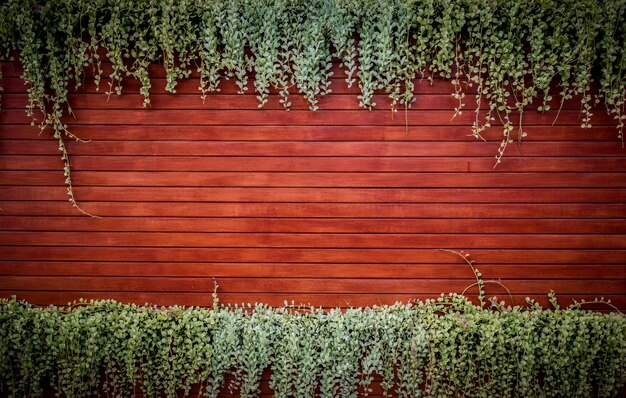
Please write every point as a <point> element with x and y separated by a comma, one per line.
<point>312,225</point>
<point>318,179</point>
<point>318,240</point>
<point>300,285</point>
<point>195,163</point>
<point>307,255</point>
<point>320,270</point>
<point>346,149</point>
<point>263,117</point>
<point>340,207</point>
<point>320,210</point>
<point>321,195</point>
<point>309,133</point>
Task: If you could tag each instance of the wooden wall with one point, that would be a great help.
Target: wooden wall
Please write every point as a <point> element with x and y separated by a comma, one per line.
<point>339,207</point>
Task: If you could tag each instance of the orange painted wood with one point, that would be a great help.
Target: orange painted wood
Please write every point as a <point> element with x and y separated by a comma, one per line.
<point>298,117</point>
<point>322,270</point>
<point>319,240</point>
<point>312,225</point>
<point>318,179</point>
<point>303,285</point>
<point>308,255</point>
<point>323,195</point>
<point>340,207</point>
<point>313,164</point>
<point>320,210</point>
<point>379,150</point>
<point>311,133</point>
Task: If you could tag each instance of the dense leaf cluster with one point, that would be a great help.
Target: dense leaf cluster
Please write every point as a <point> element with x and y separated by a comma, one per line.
<point>511,51</point>
<point>440,348</point>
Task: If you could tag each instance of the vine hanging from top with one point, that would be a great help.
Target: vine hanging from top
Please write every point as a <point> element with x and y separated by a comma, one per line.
<point>512,53</point>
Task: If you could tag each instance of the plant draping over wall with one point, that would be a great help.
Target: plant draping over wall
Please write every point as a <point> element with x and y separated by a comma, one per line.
<point>511,51</point>
<point>440,348</point>
<point>444,347</point>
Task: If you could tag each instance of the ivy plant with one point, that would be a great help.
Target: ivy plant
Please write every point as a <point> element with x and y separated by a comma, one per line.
<point>513,54</point>
<point>446,347</point>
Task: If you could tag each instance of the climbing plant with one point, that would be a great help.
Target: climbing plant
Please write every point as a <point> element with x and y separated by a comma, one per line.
<point>512,53</point>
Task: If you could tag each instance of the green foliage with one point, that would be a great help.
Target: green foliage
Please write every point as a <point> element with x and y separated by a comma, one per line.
<point>511,51</point>
<point>439,348</point>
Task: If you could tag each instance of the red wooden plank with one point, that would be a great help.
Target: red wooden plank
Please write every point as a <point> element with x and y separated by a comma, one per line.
<point>314,179</point>
<point>373,256</point>
<point>318,210</point>
<point>292,240</point>
<point>149,117</point>
<point>336,164</point>
<point>325,270</point>
<point>310,133</point>
<point>321,149</point>
<point>301,285</point>
<point>321,195</point>
<point>46,222</point>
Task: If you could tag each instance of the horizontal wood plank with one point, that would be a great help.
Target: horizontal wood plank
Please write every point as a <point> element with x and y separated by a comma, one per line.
<point>323,270</point>
<point>320,195</point>
<point>271,255</point>
<point>294,240</point>
<point>77,222</point>
<point>266,117</point>
<point>310,133</point>
<point>318,210</point>
<point>314,164</point>
<point>380,150</point>
<point>303,285</point>
<point>318,179</point>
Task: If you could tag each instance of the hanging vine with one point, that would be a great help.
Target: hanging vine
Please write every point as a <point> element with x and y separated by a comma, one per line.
<point>446,347</point>
<point>512,53</point>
